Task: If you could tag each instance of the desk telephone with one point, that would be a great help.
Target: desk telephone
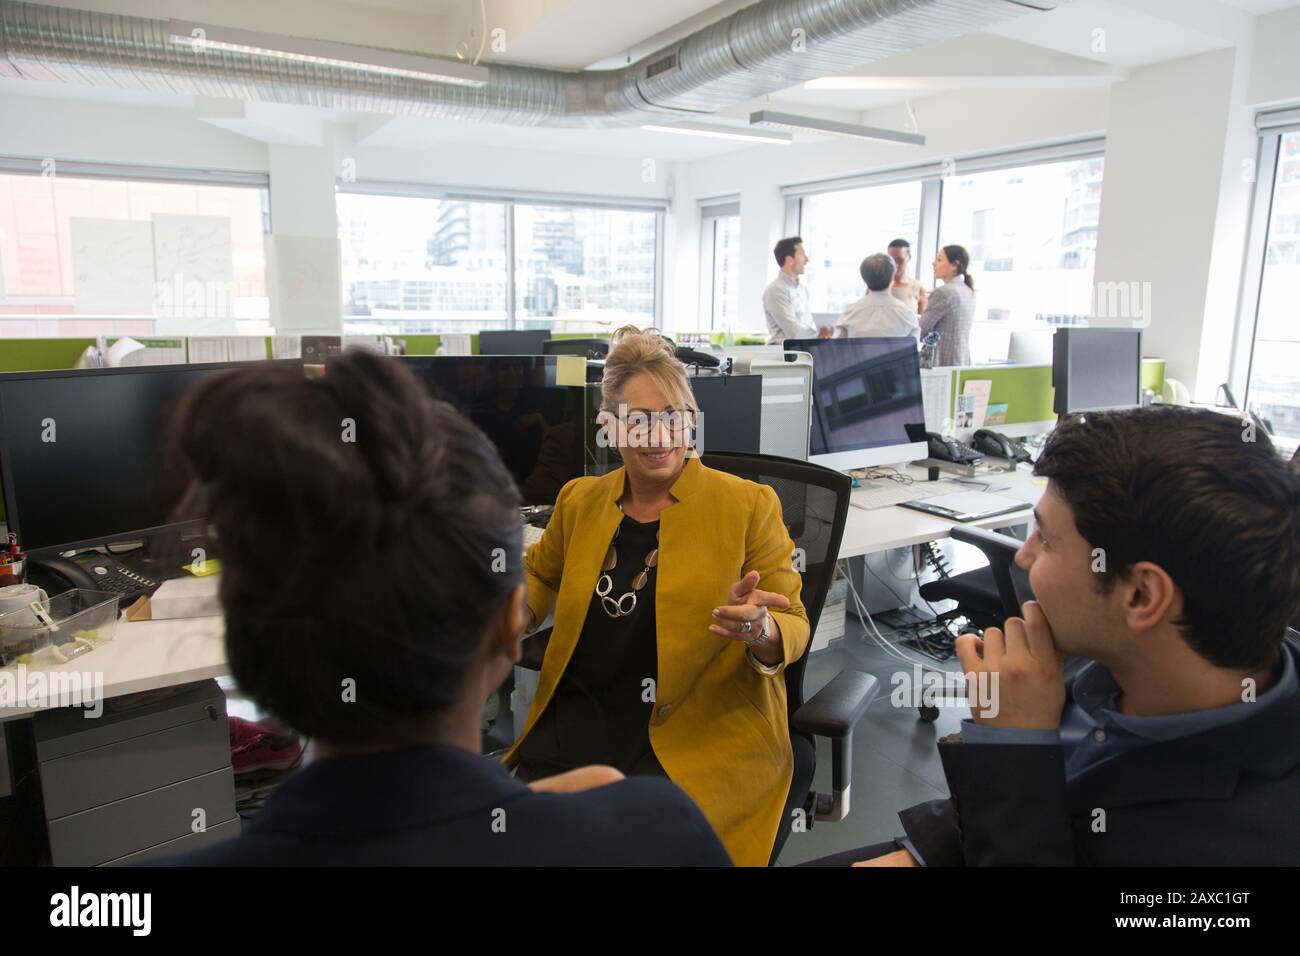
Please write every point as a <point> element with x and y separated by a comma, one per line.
<point>90,570</point>
<point>949,449</point>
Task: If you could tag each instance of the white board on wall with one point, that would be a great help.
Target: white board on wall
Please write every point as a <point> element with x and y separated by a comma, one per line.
<point>305,283</point>
<point>112,266</point>
<point>195,265</point>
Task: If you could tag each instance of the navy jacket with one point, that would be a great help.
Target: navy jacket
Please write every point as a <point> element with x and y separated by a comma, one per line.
<point>446,806</point>
<point>1225,797</point>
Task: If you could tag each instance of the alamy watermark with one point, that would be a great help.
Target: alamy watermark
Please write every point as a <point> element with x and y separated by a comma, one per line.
<point>39,689</point>
<point>932,688</point>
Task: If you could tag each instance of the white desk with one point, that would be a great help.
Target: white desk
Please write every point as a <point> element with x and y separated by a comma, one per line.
<point>144,655</point>
<point>880,529</point>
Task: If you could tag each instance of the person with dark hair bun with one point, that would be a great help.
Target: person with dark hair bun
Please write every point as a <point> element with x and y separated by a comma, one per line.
<point>373,594</point>
<point>950,309</point>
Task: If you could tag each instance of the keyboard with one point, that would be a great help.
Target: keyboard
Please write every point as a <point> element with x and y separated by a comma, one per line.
<point>532,534</point>
<point>882,493</point>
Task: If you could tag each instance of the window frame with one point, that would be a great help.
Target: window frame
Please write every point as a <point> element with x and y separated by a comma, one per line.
<point>52,166</point>
<point>510,199</point>
<point>1272,127</point>
<point>712,213</point>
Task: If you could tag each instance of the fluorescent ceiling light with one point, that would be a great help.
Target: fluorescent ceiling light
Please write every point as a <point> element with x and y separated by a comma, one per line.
<point>983,81</point>
<point>773,120</point>
<point>718,131</point>
<point>202,37</point>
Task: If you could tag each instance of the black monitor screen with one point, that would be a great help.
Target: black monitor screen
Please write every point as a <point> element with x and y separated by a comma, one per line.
<point>536,424</point>
<point>526,342</point>
<point>81,452</point>
<point>866,391</point>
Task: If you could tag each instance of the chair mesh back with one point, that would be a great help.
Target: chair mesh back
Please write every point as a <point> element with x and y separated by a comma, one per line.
<point>814,506</point>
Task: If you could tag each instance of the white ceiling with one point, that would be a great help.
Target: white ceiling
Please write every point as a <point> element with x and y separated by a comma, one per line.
<point>1058,47</point>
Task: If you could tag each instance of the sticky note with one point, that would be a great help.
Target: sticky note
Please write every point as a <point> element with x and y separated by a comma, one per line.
<point>570,370</point>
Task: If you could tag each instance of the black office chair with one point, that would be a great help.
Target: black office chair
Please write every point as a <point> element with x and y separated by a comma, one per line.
<point>587,348</point>
<point>815,504</point>
<point>987,596</point>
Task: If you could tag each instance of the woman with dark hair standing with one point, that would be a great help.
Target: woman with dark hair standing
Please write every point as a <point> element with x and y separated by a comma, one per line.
<point>373,595</point>
<point>951,307</point>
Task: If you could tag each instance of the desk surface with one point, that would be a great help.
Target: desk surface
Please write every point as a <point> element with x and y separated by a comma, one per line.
<point>144,655</point>
<point>147,655</point>
<point>879,529</point>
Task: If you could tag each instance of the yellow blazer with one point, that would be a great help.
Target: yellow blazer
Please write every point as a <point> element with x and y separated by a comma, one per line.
<point>719,725</point>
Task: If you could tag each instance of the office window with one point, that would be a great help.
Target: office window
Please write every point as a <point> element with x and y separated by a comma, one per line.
<point>582,268</point>
<point>1273,390</point>
<point>720,268</point>
<point>842,228</point>
<point>1031,232</point>
<point>96,255</point>
<point>416,264</point>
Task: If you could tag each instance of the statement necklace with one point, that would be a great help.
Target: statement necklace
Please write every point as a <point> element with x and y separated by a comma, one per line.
<point>614,607</point>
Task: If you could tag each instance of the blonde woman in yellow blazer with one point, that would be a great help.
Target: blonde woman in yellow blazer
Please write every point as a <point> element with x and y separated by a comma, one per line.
<point>715,572</point>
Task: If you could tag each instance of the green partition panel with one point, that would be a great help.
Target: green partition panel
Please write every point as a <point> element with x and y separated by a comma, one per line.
<point>34,355</point>
<point>1026,390</point>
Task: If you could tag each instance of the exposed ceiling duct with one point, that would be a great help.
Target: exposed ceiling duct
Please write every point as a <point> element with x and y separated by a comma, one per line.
<point>755,51</point>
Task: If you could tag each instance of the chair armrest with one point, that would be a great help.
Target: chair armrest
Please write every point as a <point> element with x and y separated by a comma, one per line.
<point>833,712</point>
<point>835,709</point>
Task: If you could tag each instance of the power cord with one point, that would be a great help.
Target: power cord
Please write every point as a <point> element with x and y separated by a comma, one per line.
<point>864,616</point>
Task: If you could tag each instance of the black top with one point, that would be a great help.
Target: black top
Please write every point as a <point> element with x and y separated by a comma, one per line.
<point>441,805</point>
<point>600,711</point>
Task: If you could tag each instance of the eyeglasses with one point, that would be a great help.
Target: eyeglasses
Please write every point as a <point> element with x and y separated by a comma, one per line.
<point>641,425</point>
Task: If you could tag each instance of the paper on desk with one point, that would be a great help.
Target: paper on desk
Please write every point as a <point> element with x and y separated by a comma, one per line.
<point>186,597</point>
<point>204,349</point>
<point>286,347</point>
<point>247,348</point>
<point>936,396</point>
<point>454,345</point>
<point>974,403</point>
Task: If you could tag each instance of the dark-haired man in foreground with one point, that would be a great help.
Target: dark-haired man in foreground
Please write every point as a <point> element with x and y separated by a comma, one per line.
<point>1167,553</point>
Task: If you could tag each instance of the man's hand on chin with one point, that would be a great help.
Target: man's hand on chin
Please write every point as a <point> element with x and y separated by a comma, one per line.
<point>1019,668</point>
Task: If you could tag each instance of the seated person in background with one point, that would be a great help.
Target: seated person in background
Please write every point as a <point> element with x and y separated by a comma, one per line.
<point>1167,551</point>
<point>373,595</point>
<point>676,610</point>
<point>878,313</point>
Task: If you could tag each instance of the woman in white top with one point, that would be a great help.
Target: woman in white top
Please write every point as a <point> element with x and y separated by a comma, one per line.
<point>951,308</point>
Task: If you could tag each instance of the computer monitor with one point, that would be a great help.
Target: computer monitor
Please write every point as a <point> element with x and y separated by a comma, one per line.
<point>587,348</point>
<point>81,452</point>
<point>1030,347</point>
<point>866,391</point>
<point>1095,369</point>
<point>519,342</point>
<point>731,409</point>
<point>537,425</point>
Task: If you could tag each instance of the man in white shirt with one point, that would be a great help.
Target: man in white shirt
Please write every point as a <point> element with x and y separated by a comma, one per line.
<point>878,313</point>
<point>905,287</point>
<point>785,300</point>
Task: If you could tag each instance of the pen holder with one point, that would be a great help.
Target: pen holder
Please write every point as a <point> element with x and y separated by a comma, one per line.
<point>82,620</point>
